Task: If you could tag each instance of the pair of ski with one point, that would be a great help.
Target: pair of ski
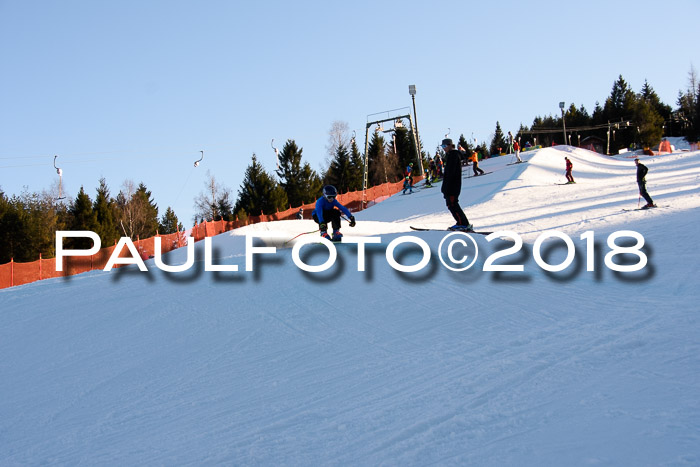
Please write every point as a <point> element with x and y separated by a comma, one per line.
<point>643,208</point>
<point>479,175</point>
<point>426,229</point>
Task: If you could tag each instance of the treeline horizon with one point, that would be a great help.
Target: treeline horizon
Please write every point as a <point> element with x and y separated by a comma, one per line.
<point>28,221</point>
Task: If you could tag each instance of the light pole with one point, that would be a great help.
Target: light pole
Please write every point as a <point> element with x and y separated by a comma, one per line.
<point>561,106</point>
<point>412,92</point>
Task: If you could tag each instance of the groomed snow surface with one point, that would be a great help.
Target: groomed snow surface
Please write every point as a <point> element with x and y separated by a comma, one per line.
<point>280,366</point>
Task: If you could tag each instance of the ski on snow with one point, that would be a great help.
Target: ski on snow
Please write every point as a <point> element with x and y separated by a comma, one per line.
<point>644,209</point>
<point>473,176</point>
<point>448,230</point>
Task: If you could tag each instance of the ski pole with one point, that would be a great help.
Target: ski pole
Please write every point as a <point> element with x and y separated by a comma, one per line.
<point>639,201</point>
<point>303,233</point>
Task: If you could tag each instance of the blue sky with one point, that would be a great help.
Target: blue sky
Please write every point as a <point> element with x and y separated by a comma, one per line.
<point>135,89</point>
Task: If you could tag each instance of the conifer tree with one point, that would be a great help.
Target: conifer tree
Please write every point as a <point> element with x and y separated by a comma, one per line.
<point>299,181</point>
<point>12,230</point>
<point>376,160</point>
<point>149,226</point>
<point>169,223</point>
<point>339,171</point>
<point>357,167</point>
<point>498,143</point>
<point>649,123</point>
<point>464,144</point>
<point>104,211</point>
<point>311,183</point>
<point>6,229</point>
<point>405,147</point>
<point>619,104</point>
<point>83,217</point>
<point>259,193</point>
<point>224,207</point>
<point>649,116</point>
<point>650,96</point>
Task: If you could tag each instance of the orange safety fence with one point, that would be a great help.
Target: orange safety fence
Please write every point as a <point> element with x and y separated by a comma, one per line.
<point>12,273</point>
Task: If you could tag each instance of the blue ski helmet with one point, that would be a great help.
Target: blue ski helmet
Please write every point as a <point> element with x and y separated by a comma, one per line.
<point>329,192</point>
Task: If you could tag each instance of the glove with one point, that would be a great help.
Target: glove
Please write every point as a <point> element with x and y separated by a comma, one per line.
<point>323,227</point>
<point>352,221</point>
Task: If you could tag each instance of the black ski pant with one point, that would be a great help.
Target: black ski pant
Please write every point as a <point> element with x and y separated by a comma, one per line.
<point>331,216</point>
<point>644,193</point>
<point>477,170</point>
<point>456,211</point>
<point>569,177</point>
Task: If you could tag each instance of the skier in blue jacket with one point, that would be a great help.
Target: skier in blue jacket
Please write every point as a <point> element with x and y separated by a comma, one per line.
<point>325,211</point>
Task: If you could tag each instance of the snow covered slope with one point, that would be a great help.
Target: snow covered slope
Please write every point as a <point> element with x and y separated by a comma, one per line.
<point>280,366</point>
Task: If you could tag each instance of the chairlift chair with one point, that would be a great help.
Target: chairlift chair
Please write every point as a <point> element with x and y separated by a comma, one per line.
<point>196,164</point>
<point>59,171</point>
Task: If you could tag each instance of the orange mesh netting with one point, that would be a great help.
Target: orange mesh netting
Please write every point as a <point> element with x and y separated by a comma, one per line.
<point>12,274</point>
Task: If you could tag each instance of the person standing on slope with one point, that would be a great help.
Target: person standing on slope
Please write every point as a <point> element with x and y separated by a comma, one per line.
<point>510,143</point>
<point>452,185</point>
<point>516,148</point>
<point>475,164</point>
<point>642,183</point>
<point>569,167</point>
<point>325,211</point>
<point>408,179</point>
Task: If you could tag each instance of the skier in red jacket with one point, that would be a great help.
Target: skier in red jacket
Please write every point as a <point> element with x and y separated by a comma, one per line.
<point>569,167</point>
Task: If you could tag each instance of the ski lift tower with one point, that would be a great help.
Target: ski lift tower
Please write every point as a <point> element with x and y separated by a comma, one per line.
<point>395,116</point>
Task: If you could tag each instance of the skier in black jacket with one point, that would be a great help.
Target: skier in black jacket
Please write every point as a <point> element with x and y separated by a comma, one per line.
<point>452,185</point>
<point>642,182</point>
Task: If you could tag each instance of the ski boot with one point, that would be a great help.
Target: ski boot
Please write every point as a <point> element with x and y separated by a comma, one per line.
<point>337,236</point>
<point>462,228</point>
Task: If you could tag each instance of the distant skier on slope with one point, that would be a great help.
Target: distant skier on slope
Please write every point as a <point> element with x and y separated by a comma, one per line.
<point>516,148</point>
<point>475,164</point>
<point>428,183</point>
<point>510,143</point>
<point>432,171</point>
<point>438,165</point>
<point>325,211</point>
<point>642,183</point>
<point>408,179</point>
<point>452,185</point>
<point>569,168</point>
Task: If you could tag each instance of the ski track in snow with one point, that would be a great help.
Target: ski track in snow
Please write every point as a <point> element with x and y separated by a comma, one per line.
<point>378,367</point>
